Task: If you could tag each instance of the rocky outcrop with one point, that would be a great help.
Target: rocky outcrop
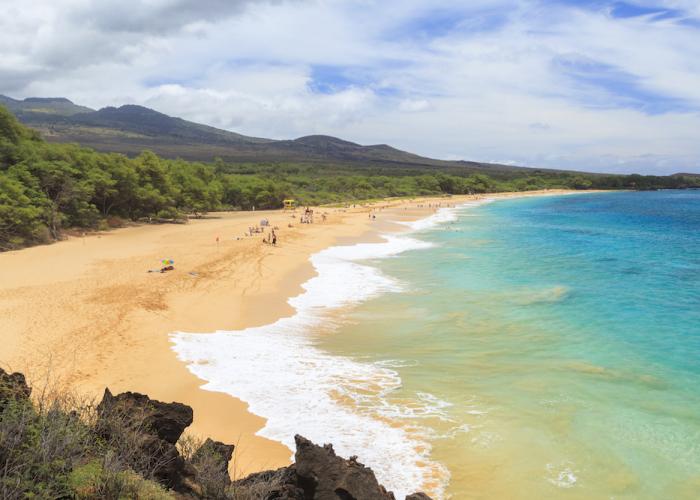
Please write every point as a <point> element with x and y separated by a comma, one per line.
<point>151,428</point>
<point>325,476</point>
<point>216,453</point>
<point>167,421</point>
<point>13,387</point>
<point>210,462</point>
<point>319,474</point>
<point>280,484</point>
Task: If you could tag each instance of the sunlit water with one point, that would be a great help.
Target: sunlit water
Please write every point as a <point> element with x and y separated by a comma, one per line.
<point>529,349</point>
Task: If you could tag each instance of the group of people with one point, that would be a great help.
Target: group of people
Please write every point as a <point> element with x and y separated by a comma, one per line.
<point>307,217</point>
<point>271,239</point>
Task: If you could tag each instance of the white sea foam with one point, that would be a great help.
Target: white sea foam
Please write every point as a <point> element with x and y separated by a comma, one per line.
<point>298,388</point>
<point>443,215</point>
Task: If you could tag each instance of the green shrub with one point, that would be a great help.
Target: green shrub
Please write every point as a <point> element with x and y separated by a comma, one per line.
<point>92,480</point>
<point>39,448</point>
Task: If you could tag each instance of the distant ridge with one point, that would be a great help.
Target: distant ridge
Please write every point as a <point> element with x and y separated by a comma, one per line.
<point>43,106</point>
<point>130,129</point>
<point>147,122</point>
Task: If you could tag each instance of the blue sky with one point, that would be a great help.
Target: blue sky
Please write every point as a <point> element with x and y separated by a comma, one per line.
<point>595,85</point>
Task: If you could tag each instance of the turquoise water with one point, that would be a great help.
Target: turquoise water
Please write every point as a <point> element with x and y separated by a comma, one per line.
<point>558,340</point>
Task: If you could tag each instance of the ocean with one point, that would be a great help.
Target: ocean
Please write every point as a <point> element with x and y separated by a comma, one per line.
<point>529,348</point>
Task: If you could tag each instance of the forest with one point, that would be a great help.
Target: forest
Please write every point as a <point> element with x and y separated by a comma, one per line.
<point>47,189</point>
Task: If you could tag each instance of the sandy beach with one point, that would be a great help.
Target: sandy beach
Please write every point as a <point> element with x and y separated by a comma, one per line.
<point>86,312</point>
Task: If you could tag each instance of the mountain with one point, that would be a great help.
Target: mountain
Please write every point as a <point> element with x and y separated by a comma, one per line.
<point>130,129</point>
<point>42,106</point>
<point>132,120</point>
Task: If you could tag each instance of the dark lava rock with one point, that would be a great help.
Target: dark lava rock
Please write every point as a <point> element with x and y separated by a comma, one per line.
<point>325,476</point>
<point>319,474</point>
<point>216,456</point>
<point>151,429</point>
<point>167,420</point>
<point>280,484</point>
<point>13,387</point>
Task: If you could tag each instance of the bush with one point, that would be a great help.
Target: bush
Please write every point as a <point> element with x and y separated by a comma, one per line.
<point>95,480</point>
<point>39,448</point>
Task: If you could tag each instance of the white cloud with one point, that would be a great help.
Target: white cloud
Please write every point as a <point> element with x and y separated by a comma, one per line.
<point>414,105</point>
<point>481,79</point>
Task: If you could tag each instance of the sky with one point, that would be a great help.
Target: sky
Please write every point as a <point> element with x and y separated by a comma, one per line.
<point>590,85</point>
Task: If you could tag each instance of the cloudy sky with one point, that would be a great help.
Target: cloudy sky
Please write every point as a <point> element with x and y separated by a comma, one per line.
<point>594,85</point>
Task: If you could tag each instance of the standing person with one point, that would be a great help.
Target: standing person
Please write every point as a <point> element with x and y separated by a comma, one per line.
<point>274,238</point>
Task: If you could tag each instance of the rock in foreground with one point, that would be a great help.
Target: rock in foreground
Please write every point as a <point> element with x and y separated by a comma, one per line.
<point>149,429</point>
<point>319,474</point>
<point>13,387</point>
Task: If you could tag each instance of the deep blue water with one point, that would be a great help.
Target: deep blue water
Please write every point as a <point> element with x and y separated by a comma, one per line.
<point>631,262</point>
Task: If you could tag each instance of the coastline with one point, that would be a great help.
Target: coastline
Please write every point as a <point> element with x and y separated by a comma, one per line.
<point>85,311</point>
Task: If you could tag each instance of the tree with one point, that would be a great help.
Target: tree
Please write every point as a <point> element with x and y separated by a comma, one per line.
<point>154,192</point>
<point>20,220</point>
<point>57,183</point>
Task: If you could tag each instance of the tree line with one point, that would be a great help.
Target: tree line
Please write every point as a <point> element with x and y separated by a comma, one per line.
<point>46,188</point>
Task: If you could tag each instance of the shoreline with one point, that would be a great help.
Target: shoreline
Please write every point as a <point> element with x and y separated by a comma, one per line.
<point>110,321</point>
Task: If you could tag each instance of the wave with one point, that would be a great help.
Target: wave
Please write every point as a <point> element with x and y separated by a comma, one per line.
<point>278,370</point>
<point>443,215</point>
